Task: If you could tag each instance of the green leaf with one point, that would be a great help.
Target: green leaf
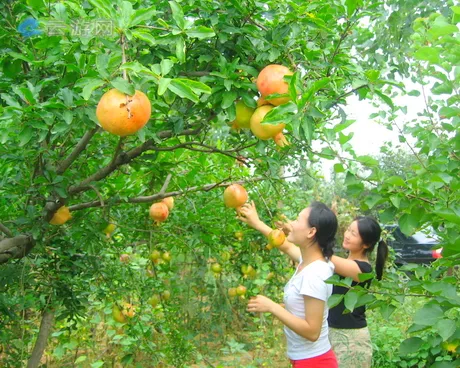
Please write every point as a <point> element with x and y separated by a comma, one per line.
<point>182,90</point>
<point>123,86</point>
<point>89,85</point>
<point>145,36</point>
<point>37,5</point>
<point>180,49</point>
<point>426,53</point>
<point>449,215</point>
<point>200,32</point>
<point>125,13</point>
<point>80,359</point>
<point>414,92</point>
<point>445,328</point>
<point>163,85</point>
<point>279,113</point>
<point>228,98</point>
<point>104,7</point>
<point>396,180</point>
<point>25,136</point>
<point>178,14</point>
<point>395,200</point>
<point>351,6</point>
<point>372,199</point>
<point>368,160</point>
<point>449,112</point>
<point>166,66</point>
<point>342,126</point>
<point>315,87</point>
<point>429,314</point>
<point>102,61</point>
<point>350,300</point>
<point>441,27</point>
<point>334,300</point>
<point>365,276</point>
<point>410,346</point>
<point>338,168</point>
<point>385,99</point>
<point>456,9</point>
<point>408,223</point>
<point>197,87</point>
<point>141,15</point>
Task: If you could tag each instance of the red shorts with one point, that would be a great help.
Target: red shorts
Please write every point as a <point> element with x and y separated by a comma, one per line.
<point>326,360</point>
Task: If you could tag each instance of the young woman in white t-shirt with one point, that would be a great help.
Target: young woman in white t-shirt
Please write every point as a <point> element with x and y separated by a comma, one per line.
<point>306,293</point>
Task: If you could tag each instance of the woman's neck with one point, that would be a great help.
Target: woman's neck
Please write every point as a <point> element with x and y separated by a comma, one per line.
<point>358,256</point>
<point>310,253</point>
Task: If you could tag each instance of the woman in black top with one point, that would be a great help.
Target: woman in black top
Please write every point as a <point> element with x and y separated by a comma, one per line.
<point>348,333</point>
<point>349,337</point>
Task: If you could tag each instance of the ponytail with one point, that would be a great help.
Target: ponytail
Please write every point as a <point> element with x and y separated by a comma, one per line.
<point>382,255</point>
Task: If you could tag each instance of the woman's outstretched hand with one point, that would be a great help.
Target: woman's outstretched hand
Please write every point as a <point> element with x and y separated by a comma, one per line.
<point>260,304</point>
<point>248,214</point>
<point>284,225</point>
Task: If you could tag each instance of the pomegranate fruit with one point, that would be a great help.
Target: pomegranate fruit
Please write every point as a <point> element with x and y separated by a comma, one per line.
<point>121,114</point>
<point>117,315</point>
<point>61,216</point>
<point>235,196</point>
<point>243,114</point>
<point>169,201</point>
<point>276,238</point>
<point>270,80</point>
<point>159,211</point>
<point>241,290</point>
<point>264,131</point>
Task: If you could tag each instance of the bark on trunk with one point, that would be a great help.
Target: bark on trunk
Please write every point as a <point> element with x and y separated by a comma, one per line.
<point>42,339</point>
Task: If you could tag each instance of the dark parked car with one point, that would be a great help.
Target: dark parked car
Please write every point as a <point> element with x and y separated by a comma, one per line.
<point>417,248</point>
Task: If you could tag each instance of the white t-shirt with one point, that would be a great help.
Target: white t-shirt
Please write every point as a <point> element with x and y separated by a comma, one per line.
<point>310,282</point>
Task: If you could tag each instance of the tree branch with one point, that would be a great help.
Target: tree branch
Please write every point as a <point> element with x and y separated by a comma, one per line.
<point>336,51</point>
<point>157,196</point>
<point>42,339</point>
<point>7,231</point>
<point>166,183</point>
<point>126,157</point>
<point>64,165</point>
<point>16,247</point>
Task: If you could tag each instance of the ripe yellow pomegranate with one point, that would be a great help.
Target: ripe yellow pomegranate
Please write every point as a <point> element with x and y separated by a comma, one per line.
<point>241,290</point>
<point>61,216</point>
<point>270,80</point>
<point>243,114</point>
<point>235,196</point>
<point>276,238</point>
<point>169,201</point>
<point>118,315</point>
<point>128,310</point>
<point>155,255</point>
<point>264,131</point>
<point>154,300</point>
<point>159,211</point>
<point>232,292</point>
<point>121,114</point>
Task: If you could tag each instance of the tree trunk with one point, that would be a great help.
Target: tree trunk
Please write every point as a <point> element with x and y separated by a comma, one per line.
<point>43,334</point>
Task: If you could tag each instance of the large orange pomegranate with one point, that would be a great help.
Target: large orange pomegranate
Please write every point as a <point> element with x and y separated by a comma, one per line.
<point>159,211</point>
<point>270,80</point>
<point>121,114</point>
<point>264,131</point>
<point>235,196</point>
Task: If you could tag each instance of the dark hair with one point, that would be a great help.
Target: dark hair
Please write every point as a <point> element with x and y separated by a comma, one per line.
<point>370,231</point>
<point>324,220</point>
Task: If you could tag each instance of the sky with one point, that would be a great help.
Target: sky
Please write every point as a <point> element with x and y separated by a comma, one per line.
<point>369,135</point>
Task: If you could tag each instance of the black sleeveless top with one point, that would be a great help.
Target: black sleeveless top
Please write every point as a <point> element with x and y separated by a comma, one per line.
<point>355,319</point>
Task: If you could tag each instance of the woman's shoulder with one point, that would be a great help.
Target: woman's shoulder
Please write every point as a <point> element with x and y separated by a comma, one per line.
<point>364,266</point>
<point>323,269</point>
